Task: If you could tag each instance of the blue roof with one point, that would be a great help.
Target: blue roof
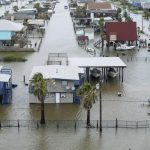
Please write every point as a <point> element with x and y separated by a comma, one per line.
<point>5,35</point>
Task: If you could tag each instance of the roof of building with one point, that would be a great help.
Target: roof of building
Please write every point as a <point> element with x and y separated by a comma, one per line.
<point>124,31</point>
<point>39,22</point>
<point>6,25</point>
<point>99,6</point>
<point>96,62</point>
<point>146,5</point>
<point>4,77</point>
<point>57,72</point>
<point>85,1</point>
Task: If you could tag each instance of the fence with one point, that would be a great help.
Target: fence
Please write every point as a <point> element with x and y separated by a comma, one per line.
<point>132,59</point>
<point>75,124</point>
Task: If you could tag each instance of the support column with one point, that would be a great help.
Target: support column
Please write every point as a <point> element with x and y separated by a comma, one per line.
<point>87,74</point>
<point>122,74</point>
<point>119,73</point>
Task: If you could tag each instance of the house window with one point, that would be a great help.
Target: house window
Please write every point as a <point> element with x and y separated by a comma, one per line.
<point>47,95</point>
<point>52,94</point>
<point>64,83</point>
<point>62,95</point>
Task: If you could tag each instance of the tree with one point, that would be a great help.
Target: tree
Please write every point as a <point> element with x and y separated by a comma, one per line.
<point>88,95</point>
<point>80,12</point>
<point>15,8</point>
<point>38,7</point>
<point>40,89</point>
<point>125,15</point>
<point>146,14</point>
<point>102,33</point>
<point>118,15</point>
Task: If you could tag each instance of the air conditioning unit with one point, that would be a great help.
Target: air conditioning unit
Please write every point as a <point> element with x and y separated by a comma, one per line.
<point>73,88</point>
<point>67,87</point>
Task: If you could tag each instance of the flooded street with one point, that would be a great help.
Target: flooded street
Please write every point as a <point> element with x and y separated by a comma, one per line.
<point>68,139</point>
<point>60,37</point>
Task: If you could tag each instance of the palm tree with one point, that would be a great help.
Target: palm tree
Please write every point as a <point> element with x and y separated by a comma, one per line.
<point>88,94</point>
<point>40,90</point>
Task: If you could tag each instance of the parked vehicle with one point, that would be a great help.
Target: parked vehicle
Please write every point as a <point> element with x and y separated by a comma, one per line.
<point>112,73</point>
<point>91,50</point>
<point>95,72</point>
<point>65,7</point>
<point>124,47</point>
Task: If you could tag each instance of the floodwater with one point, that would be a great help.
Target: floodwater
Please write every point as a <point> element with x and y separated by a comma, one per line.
<point>68,139</point>
<point>132,105</point>
<point>60,37</point>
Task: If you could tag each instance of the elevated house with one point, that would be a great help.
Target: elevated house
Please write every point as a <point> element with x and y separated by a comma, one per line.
<point>66,81</point>
<point>5,86</point>
<point>135,3</point>
<point>83,3</point>
<point>100,9</point>
<point>121,32</point>
<point>26,13</point>
<point>8,30</point>
<point>146,5</point>
<point>140,3</point>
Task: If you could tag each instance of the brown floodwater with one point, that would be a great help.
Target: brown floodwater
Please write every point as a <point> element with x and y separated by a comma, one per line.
<point>132,105</point>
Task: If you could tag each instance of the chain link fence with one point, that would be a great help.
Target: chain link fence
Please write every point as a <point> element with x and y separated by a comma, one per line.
<point>75,124</point>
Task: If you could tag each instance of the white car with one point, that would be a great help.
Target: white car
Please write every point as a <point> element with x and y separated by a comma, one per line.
<point>91,50</point>
<point>124,47</point>
<point>66,7</point>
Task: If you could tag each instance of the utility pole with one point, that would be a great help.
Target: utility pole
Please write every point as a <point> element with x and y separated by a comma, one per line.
<point>142,23</point>
<point>100,106</point>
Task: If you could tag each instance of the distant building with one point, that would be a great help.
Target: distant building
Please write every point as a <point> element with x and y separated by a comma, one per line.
<point>7,30</point>
<point>146,6</point>
<point>121,31</point>
<point>140,3</point>
<point>25,14</point>
<point>83,2</point>
<point>100,9</point>
<point>66,81</point>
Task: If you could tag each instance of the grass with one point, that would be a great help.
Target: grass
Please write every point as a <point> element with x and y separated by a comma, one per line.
<point>13,58</point>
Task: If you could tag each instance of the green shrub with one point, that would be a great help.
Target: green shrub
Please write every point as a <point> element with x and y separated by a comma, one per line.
<point>12,58</point>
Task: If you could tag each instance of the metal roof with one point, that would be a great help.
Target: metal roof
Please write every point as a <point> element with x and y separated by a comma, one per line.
<point>39,22</point>
<point>57,72</point>
<point>4,77</point>
<point>96,62</point>
<point>6,25</point>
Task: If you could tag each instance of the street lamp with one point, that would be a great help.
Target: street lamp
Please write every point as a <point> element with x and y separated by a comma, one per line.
<point>99,87</point>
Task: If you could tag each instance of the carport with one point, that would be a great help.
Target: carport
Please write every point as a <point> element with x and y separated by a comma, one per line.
<point>99,62</point>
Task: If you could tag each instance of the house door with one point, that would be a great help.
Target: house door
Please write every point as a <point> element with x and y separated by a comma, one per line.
<point>57,97</point>
<point>1,99</point>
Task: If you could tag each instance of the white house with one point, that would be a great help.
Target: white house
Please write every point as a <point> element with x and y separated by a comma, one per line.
<point>65,81</point>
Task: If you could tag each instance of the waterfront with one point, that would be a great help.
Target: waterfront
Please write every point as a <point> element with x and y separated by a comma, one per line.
<point>60,37</point>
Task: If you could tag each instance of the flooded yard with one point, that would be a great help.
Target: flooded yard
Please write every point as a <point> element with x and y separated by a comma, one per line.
<point>132,105</point>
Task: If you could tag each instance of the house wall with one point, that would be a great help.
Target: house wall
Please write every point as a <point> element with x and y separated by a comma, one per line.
<point>58,87</point>
<point>51,98</point>
<point>20,16</point>
<point>52,90</point>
